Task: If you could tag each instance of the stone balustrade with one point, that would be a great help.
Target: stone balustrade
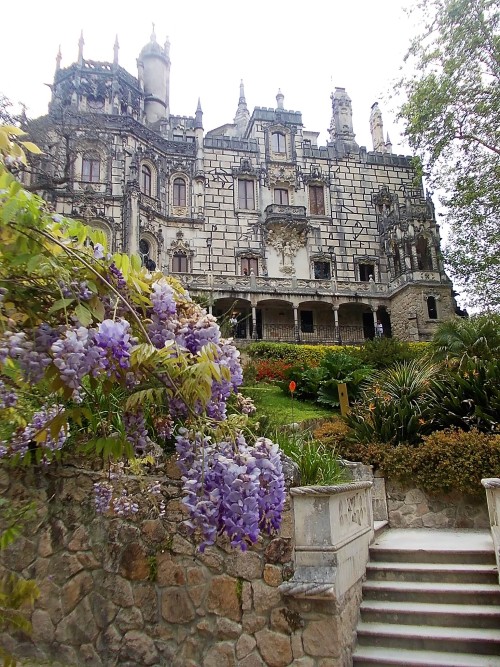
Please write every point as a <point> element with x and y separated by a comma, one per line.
<point>492,488</point>
<point>333,530</point>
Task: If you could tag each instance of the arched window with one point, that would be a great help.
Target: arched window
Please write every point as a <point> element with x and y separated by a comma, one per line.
<point>91,167</point>
<point>145,253</point>
<point>179,194</point>
<point>278,142</point>
<point>146,180</point>
<point>432,308</point>
<point>179,262</point>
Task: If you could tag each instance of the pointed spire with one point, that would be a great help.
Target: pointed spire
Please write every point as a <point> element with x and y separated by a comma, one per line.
<point>58,59</point>
<point>198,118</point>
<point>153,34</point>
<point>81,42</point>
<point>116,48</point>
<point>242,114</point>
<point>388,144</point>
<point>279,99</point>
<point>167,47</point>
<point>242,99</point>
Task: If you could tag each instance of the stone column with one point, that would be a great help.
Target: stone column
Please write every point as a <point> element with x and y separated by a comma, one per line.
<point>336,331</point>
<point>296,323</point>
<point>374,311</point>
<point>434,259</point>
<point>254,322</point>
<point>133,232</point>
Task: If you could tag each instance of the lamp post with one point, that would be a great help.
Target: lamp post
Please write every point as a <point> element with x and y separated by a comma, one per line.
<point>213,229</point>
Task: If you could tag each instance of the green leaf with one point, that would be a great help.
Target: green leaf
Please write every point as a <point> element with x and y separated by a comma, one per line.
<point>31,147</point>
<point>60,304</point>
<point>84,315</point>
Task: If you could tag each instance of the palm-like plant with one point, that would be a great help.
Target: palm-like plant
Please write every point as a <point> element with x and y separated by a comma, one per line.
<point>397,407</point>
<point>460,339</point>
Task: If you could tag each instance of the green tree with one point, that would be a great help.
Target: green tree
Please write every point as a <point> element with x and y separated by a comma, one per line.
<point>451,85</point>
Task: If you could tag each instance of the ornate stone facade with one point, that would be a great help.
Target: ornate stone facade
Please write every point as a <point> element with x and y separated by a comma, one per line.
<point>322,240</point>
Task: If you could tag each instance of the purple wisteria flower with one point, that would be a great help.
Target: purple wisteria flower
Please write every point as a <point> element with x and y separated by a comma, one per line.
<point>98,251</point>
<point>231,488</point>
<point>112,337</point>
<point>22,440</point>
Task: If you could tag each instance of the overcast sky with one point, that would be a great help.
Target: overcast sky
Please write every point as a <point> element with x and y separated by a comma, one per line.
<point>304,49</point>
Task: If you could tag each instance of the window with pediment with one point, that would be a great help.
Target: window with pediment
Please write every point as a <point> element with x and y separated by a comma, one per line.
<point>91,167</point>
<point>278,142</point>
<point>146,180</point>
<point>180,262</point>
<point>246,194</point>
<point>249,265</point>
<point>179,192</point>
<point>317,200</point>
<point>281,196</point>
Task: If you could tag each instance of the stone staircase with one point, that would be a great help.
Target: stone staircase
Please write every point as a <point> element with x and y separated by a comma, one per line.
<point>431,598</point>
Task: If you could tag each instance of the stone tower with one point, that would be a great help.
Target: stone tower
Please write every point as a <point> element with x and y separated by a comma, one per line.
<point>377,131</point>
<point>153,67</point>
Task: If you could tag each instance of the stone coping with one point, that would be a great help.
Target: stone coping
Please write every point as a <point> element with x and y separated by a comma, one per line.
<point>329,490</point>
<point>491,482</point>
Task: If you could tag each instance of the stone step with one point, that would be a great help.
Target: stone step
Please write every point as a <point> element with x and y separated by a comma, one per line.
<point>422,613</point>
<point>366,656</point>
<point>447,593</point>
<point>485,641</point>
<point>427,555</point>
<point>439,572</point>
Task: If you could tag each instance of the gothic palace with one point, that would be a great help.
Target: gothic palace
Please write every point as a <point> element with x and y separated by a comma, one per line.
<point>301,242</point>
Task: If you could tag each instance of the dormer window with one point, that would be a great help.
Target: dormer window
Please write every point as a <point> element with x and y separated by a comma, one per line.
<point>278,142</point>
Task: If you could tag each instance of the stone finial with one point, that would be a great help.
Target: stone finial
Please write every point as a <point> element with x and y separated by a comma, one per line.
<point>81,42</point>
<point>116,48</point>
<point>58,59</point>
<point>167,47</point>
<point>198,118</point>
<point>242,114</point>
<point>388,144</point>
<point>279,99</point>
<point>153,34</point>
<point>377,129</point>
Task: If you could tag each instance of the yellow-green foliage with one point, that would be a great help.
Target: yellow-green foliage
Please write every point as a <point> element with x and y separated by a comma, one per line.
<point>332,433</point>
<point>292,353</point>
<point>445,461</point>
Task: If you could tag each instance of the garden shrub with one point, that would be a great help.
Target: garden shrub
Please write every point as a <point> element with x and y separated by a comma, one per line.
<point>321,383</point>
<point>333,433</point>
<point>469,396</point>
<point>398,406</point>
<point>271,370</point>
<point>445,461</point>
<point>477,337</point>
<point>384,352</point>
<point>317,464</point>
<point>291,352</point>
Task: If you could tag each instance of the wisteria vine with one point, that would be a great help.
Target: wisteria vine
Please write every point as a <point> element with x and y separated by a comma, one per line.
<point>90,341</point>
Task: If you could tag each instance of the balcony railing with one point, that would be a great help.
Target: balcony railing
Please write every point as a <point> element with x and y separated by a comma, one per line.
<point>322,333</point>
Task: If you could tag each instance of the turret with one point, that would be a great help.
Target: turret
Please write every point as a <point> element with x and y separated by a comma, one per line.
<point>279,99</point>
<point>154,75</point>
<point>377,131</point>
<point>341,129</point>
<point>242,114</point>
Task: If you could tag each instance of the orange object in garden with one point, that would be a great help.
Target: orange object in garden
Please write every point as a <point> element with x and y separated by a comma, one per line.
<point>292,386</point>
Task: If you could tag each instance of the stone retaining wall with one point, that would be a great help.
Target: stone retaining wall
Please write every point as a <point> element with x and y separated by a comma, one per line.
<point>117,592</point>
<point>413,508</point>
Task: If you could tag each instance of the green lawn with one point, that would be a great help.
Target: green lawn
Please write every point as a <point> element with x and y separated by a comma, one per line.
<point>281,409</point>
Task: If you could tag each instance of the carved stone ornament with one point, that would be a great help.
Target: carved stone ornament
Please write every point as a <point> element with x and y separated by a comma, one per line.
<point>180,211</point>
<point>282,174</point>
<point>286,242</point>
<point>245,169</point>
<point>180,245</point>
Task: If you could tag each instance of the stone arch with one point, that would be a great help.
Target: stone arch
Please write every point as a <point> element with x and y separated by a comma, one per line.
<point>149,250</point>
<point>152,190</point>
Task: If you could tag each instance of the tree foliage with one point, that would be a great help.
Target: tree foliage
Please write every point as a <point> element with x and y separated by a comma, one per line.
<point>451,85</point>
